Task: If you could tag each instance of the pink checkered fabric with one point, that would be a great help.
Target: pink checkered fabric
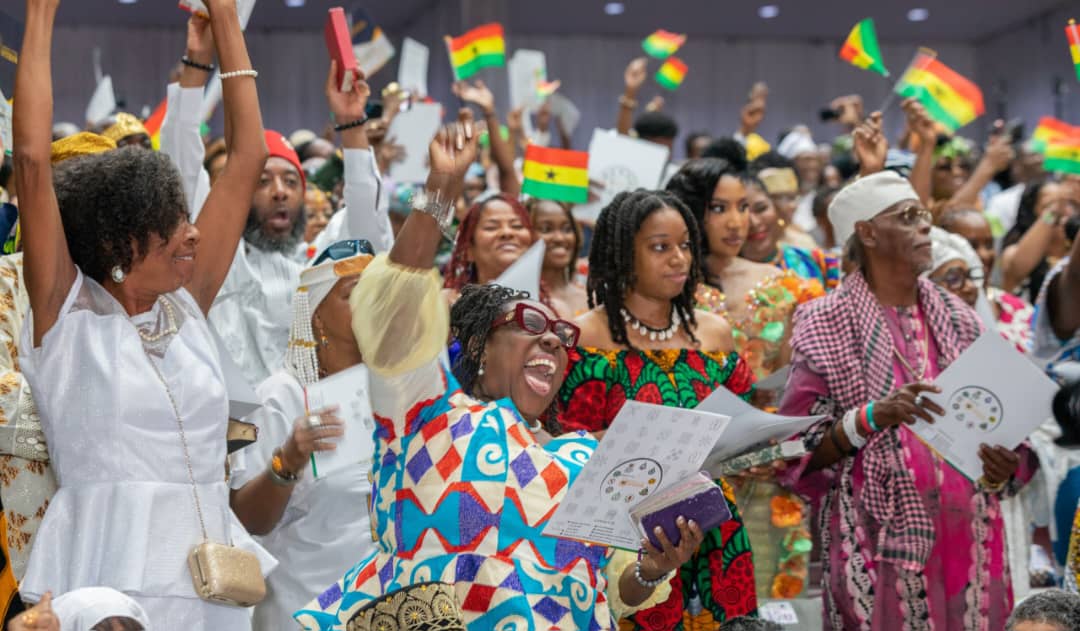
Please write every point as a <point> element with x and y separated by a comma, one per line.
<point>845,338</point>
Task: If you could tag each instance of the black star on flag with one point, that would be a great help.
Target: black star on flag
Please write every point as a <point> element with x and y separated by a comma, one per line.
<point>550,174</point>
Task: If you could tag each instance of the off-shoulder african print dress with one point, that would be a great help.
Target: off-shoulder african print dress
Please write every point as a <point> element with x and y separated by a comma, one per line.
<point>718,583</point>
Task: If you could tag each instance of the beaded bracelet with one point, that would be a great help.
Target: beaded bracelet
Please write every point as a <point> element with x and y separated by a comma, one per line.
<point>650,584</point>
<point>239,73</point>
<point>350,125</point>
<point>191,63</point>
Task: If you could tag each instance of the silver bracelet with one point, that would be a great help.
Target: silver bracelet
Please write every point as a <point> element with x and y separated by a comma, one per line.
<point>239,73</point>
<point>431,203</point>
<point>650,584</point>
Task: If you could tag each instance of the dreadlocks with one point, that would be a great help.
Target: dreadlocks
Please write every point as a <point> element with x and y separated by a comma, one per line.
<point>459,271</point>
<point>693,185</point>
<point>611,258</point>
<point>470,324</point>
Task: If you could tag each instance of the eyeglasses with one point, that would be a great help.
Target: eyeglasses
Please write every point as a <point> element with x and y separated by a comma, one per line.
<point>911,215</point>
<point>535,322</point>
<point>954,277</point>
<point>345,249</point>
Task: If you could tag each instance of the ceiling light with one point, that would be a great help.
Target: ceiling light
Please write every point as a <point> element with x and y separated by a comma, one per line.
<point>614,8</point>
<point>294,3</point>
<point>127,1</point>
<point>918,15</point>
<point>768,11</point>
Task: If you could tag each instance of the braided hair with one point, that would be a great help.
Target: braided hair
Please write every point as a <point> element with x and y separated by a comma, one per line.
<point>470,323</point>
<point>611,258</point>
<point>693,185</point>
<point>459,271</point>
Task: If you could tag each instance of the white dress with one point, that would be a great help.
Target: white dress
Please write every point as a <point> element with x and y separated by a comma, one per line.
<point>326,525</point>
<point>124,515</point>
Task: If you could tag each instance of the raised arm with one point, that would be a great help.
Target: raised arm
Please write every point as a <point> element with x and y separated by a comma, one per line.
<point>633,78</point>
<point>224,215</point>
<point>922,126</point>
<point>999,153</point>
<point>49,269</point>
<point>502,151</point>
<point>1065,313</point>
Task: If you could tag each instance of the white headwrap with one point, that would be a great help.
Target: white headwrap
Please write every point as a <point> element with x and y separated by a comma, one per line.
<point>947,246</point>
<point>797,142</point>
<point>315,285</point>
<point>81,609</point>
<point>866,198</point>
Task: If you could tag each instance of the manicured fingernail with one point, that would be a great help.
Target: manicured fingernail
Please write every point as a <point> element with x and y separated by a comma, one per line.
<point>681,520</point>
<point>693,523</point>
<point>658,530</point>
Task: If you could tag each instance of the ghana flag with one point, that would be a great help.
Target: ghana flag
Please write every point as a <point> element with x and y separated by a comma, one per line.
<point>662,44</point>
<point>153,124</point>
<point>1051,131</point>
<point>672,73</point>
<point>482,47</point>
<point>557,174</point>
<point>1063,156</point>
<point>1073,34</point>
<point>861,49</point>
<point>948,97</point>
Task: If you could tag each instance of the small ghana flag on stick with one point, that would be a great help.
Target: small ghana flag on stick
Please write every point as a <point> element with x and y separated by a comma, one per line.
<point>1063,156</point>
<point>153,124</point>
<point>861,49</point>
<point>482,47</point>
<point>948,97</point>
<point>672,73</point>
<point>1051,130</point>
<point>557,174</point>
<point>1074,45</point>
<point>663,44</point>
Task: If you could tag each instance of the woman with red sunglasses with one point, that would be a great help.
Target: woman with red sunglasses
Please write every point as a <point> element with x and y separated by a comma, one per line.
<point>461,486</point>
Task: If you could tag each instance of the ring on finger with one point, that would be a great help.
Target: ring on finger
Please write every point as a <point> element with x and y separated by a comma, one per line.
<point>919,399</point>
<point>313,421</point>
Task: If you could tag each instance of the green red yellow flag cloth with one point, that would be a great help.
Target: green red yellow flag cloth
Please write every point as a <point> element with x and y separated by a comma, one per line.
<point>1051,130</point>
<point>949,98</point>
<point>861,48</point>
<point>672,73</point>
<point>1059,144</point>
<point>482,47</point>
<point>1073,33</point>
<point>153,124</point>
<point>556,174</point>
<point>663,44</point>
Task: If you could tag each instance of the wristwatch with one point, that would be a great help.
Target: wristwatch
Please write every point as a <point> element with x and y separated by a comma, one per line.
<point>277,472</point>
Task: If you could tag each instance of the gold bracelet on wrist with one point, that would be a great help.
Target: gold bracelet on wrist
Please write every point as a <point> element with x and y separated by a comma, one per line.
<point>987,486</point>
<point>278,474</point>
<point>628,102</point>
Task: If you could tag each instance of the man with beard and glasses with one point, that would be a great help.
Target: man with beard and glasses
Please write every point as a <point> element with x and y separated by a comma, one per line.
<point>253,311</point>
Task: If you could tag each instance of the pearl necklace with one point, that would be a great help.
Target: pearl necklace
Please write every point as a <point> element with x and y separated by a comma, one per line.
<point>170,328</point>
<point>646,330</point>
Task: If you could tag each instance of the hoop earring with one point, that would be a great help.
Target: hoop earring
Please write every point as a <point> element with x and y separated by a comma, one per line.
<point>781,223</point>
<point>118,274</point>
<point>323,340</point>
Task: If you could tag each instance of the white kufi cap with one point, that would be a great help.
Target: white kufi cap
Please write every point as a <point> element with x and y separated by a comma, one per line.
<point>866,198</point>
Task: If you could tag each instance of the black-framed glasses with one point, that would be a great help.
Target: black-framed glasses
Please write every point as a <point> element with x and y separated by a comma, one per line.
<point>535,322</point>
<point>345,249</point>
<point>954,277</point>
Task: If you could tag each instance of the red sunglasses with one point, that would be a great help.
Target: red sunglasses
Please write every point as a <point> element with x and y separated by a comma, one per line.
<point>535,322</point>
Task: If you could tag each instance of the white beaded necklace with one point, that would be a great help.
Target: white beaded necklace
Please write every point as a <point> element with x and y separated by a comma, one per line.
<point>646,330</point>
<point>170,328</point>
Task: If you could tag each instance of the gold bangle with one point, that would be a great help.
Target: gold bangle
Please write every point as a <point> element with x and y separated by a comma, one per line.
<point>628,102</point>
<point>985,485</point>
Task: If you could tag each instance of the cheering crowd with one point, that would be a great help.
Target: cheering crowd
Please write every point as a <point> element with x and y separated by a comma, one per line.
<point>139,286</point>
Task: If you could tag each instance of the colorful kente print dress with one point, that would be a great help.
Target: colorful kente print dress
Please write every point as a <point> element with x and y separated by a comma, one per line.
<point>815,264</point>
<point>461,490</point>
<point>761,334</point>
<point>718,583</point>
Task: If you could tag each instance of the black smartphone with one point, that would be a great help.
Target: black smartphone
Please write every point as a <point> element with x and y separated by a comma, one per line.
<point>373,110</point>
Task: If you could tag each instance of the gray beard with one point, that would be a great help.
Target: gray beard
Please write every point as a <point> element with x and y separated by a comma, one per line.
<point>258,239</point>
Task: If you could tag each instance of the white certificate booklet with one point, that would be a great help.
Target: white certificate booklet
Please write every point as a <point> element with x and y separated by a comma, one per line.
<point>646,448</point>
<point>750,428</point>
<point>414,130</point>
<point>621,163</point>
<point>348,390</point>
<point>991,395</point>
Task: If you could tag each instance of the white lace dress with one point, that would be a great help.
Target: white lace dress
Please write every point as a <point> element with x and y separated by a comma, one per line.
<point>124,515</point>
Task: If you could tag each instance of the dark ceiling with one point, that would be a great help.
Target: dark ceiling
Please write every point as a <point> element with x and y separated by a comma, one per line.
<point>949,20</point>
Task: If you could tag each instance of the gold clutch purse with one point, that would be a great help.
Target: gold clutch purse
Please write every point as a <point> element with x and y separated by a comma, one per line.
<point>226,575</point>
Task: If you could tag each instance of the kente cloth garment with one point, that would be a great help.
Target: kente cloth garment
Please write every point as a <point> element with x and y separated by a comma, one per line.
<point>253,310</point>
<point>325,526</point>
<point>811,264</point>
<point>124,515</point>
<point>907,542</point>
<point>461,490</point>
<point>1015,316</point>
<point>26,479</point>
<point>718,583</point>
<point>1072,561</point>
<point>761,335</point>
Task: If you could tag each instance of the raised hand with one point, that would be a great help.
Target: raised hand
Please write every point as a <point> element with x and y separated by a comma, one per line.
<point>450,153</point>
<point>635,74</point>
<point>920,124</point>
<point>999,152</point>
<point>656,104</point>
<point>870,145</point>
<point>39,618</point>
<point>478,94</point>
<point>200,40</point>
<point>346,106</point>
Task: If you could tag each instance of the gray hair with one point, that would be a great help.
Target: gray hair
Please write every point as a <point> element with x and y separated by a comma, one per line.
<point>746,623</point>
<point>1053,607</point>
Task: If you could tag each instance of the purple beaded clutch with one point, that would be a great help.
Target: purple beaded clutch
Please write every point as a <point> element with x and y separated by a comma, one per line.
<point>698,498</point>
